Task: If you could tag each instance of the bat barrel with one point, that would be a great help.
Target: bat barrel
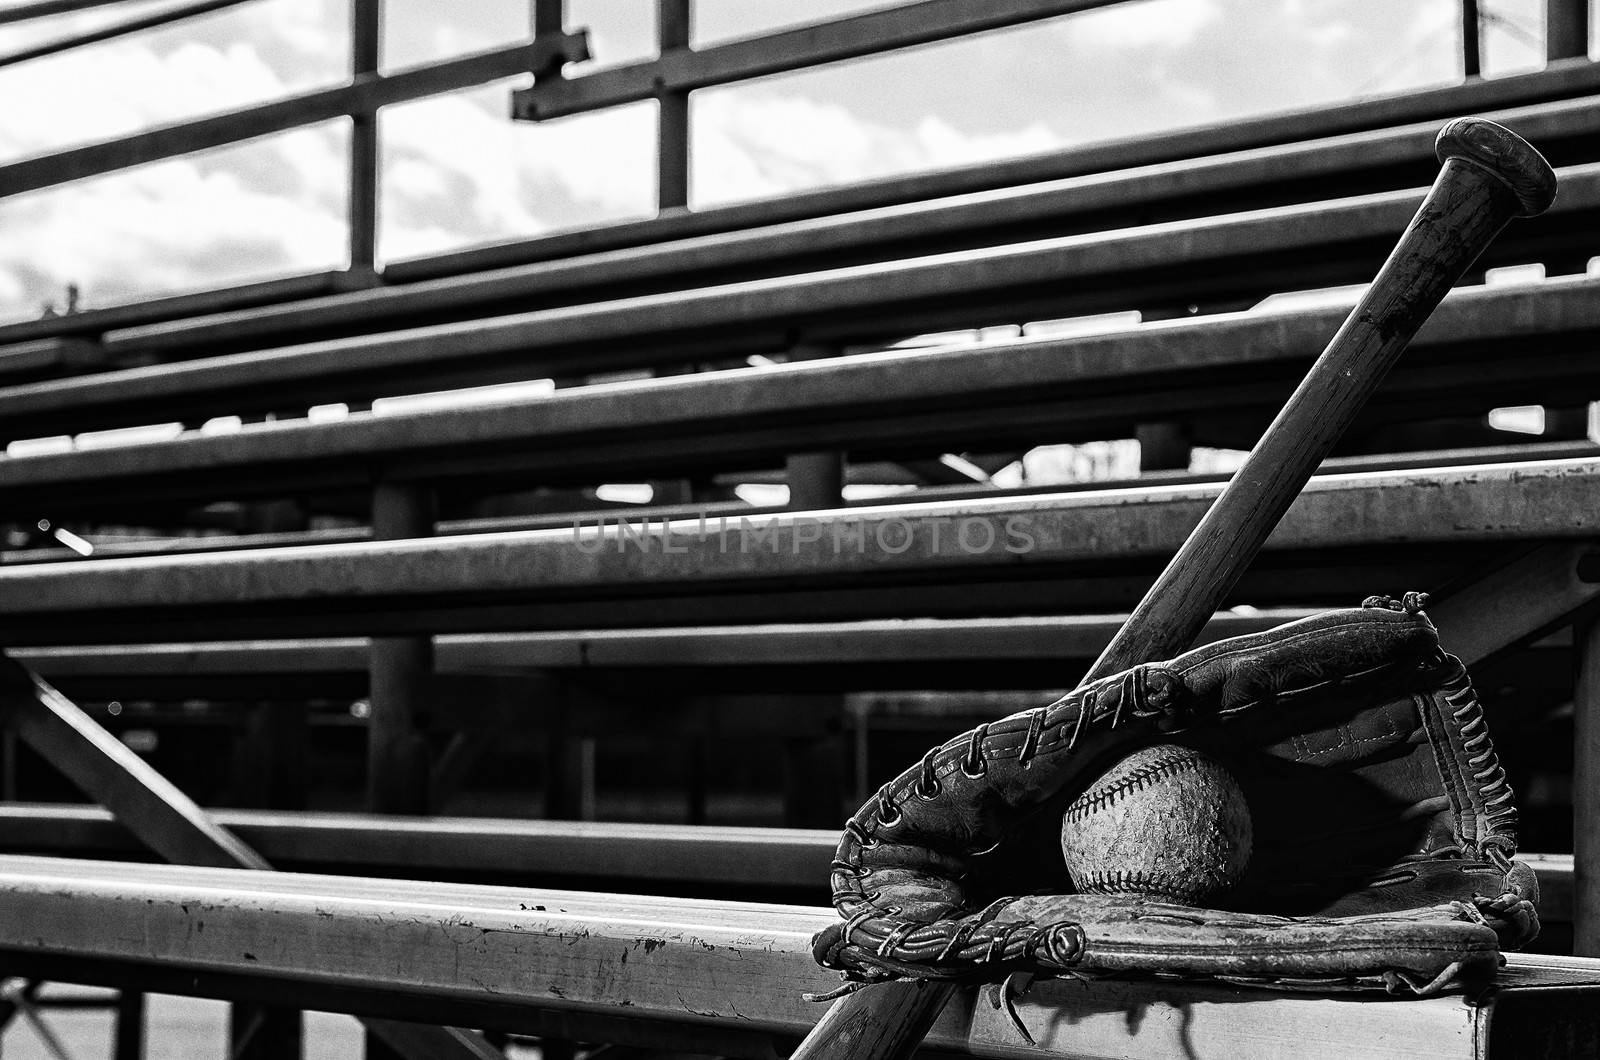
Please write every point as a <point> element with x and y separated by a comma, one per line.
<point>1504,155</point>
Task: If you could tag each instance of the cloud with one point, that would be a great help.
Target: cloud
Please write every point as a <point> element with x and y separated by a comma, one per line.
<point>246,212</point>
<point>171,226</point>
<point>752,144</point>
<point>457,171</point>
<point>1158,24</point>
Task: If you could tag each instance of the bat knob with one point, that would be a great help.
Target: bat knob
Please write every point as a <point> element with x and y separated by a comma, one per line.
<point>1510,158</point>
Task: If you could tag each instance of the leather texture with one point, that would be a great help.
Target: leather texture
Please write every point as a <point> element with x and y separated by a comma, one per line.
<point>1384,829</point>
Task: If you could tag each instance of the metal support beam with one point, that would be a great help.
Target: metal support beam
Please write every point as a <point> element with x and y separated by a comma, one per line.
<point>816,480</point>
<point>900,26</point>
<point>570,780</point>
<point>117,29</point>
<point>366,43</point>
<point>265,1032</point>
<point>731,974</point>
<point>1586,794</point>
<point>362,96</point>
<point>549,22</point>
<point>128,1035</point>
<point>1164,446</point>
<point>673,29</point>
<point>1566,32</point>
<point>269,772</point>
<point>1471,39</point>
<point>165,819</point>
<point>1518,602</point>
<point>47,8</point>
<point>400,672</point>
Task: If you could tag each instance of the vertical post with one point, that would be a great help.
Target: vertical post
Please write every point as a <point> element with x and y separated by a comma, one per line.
<point>366,42</point>
<point>1566,29</point>
<point>816,480</point>
<point>570,784</point>
<point>264,1032</point>
<point>399,671</point>
<point>8,765</point>
<point>814,774</point>
<point>699,793</point>
<point>270,767</point>
<point>1163,447</point>
<point>128,1037</point>
<point>549,18</point>
<point>1586,793</point>
<point>1471,39</point>
<point>672,127</point>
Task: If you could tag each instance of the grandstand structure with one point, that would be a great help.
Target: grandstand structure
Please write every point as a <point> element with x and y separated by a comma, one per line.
<point>395,715</point>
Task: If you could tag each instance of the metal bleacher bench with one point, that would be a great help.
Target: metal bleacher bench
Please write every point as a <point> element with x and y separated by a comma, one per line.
<point>1231,371</point>
<point>1336,167</point>
<point>725,977</point>
<point>1234,259</point>
<point>1434,527</point>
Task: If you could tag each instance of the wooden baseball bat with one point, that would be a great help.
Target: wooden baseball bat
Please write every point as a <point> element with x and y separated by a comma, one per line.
<point>1489,175</point>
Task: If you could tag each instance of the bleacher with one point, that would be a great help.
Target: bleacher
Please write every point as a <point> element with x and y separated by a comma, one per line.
<point>386,648</point>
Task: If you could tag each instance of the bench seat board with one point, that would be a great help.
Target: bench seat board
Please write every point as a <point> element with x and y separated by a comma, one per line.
<point>381,585</point>
<point>682,960</point>
<point>1239,365</point>
<point>614,850</point>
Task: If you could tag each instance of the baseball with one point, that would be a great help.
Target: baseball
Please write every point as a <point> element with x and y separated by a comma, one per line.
<point>1165,822</point>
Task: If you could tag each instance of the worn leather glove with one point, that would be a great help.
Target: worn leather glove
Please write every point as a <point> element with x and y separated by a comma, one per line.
<point>1384,830</point>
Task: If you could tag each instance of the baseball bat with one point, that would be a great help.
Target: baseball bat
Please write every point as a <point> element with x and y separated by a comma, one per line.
<point>1488,175</point>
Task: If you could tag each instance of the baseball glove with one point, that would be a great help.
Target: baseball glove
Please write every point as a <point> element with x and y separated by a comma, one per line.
<point>1383,826</point>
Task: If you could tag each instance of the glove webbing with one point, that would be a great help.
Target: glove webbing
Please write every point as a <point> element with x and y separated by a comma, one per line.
<point>1147,693</point>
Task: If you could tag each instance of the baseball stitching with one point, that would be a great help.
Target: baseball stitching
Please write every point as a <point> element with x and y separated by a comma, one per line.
<point>1174,763</point>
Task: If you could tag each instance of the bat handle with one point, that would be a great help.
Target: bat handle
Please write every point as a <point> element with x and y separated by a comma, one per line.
<point>1489,175</point>
<point>1503,155</point>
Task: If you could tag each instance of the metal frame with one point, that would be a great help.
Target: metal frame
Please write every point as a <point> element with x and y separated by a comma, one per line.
<point>1215,261</point>
<point>1325,168</point>
<point>1432,522</point>
<point>679,68</point>
<point>669,78</point>
<point>359,100</point>
<point>165,820</point>
<point>1046,390</point>
<point>119,29</point>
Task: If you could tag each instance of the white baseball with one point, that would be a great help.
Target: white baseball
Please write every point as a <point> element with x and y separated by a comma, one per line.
<point>1166,822</point>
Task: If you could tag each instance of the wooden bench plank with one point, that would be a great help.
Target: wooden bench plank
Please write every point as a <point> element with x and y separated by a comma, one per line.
<point>1241,255</point>
<point>1334,168</point>
<point>1053,389</point>
<point>559,579</point>
<point>674,960</point>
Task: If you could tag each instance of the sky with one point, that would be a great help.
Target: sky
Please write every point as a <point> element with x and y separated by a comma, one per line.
<point>456,172</point>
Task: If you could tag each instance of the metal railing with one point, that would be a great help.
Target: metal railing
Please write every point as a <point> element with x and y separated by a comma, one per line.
<point>669,78</point>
